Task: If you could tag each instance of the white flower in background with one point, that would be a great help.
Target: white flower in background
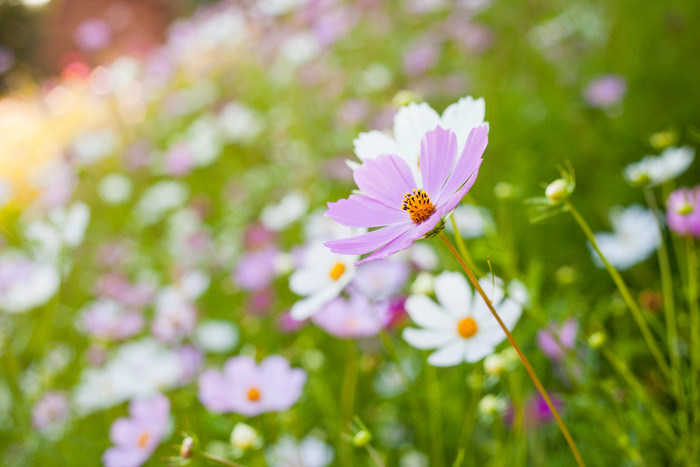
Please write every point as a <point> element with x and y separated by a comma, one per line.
<point>160,198</point>
<point>375,77</point>
<point>138,369</point>
<point>412,122</point>
<point>175,313</point>
<point>320,279</point>
<point>654,170</point>
<point>94,146</point>
<point>309,452</point>
<point>319,228</point>
<point>63,227</point>
<point>277,217</point>
<point>115,189</point>
<point>423,284</point>
<point>25,283</point>
<point>279,7</point>
<point>634,238</point>
<point>423,256</point>
<point>472,221</point>
<point>491,406</point>
<point>217,336</point>
<point>244,437</point>
<point>205,139</point>
<point>300,48</point>
<point>240,123</point>
<point>461,327</point>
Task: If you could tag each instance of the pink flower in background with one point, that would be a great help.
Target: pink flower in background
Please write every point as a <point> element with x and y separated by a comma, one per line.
<point>380,280</point>
<point>191,359</point>
<point>109,320</point>
<point>287,324</point>
<point>92,35</point>
<point>352,318</point>
<point>555,341</point>
<point>50,411</point>
<point>391,199</point>
<point>536,411</point>
<point>683,211</point>
<point>606,91</point>
<point>256,269</point>
<point>179,160</point>
<point>250,389</point>
<point>175,317</point>
<point>420,58</point>
<point>135,438</point>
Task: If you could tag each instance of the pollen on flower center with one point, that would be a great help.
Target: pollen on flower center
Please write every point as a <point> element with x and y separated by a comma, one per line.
<point>418,205</point>
<point>467,328</point>
<point>143,439</point>
<point>337,271</point>
<point>253,394</point>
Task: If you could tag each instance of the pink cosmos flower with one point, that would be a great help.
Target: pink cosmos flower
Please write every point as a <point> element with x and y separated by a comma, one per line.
<point>52,410</point>
<point>683,211</point>
<point>136,437</point>
<point>390,197</point>
<point>250,389</point>
<point>606,91</point>
<point>106,319</point>
<point>555,341</point>
<point>352,318</point>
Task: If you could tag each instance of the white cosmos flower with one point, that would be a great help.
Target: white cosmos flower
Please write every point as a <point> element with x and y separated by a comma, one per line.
<point>461,326</point>
<point>472,221</point>
<point>25,283</point>
<point>309,452</point>
<point>277,217</point>
<point>634,238</point>
<point>412,122</point>
<point>654,170</point>
<point>320,279</point>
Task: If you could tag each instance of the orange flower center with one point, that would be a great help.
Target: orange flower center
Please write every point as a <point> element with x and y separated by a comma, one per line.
<point>253,394</point>
<point>143,439</point>
<point>337,271</point>
<point>418,205</point>
<point>466,328</point>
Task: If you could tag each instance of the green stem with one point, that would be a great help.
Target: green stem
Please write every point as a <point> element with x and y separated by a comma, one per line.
<point>376,458</point>
<point>347,399</point>
<point>624,291</point>
<point>523,359</point>
<point>438,452</point>
<point>694,326</point>
<point>669,312</point>
<point>219,460</point>
<point>470,415</point>
<point>463,249</point>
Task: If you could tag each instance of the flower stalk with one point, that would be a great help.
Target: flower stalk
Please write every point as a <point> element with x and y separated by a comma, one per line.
<point>511,339</point>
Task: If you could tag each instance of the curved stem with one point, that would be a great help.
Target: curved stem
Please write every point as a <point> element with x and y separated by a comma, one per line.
<point>515,346</point>
<point>624,291</point>
<point>463,249</point>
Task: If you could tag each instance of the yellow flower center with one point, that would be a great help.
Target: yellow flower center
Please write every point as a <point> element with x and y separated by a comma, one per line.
<point>337,271</point>
<point>253,394</point>
<point>143,439</point>
<point>467,328</point>
<point>418,205</point>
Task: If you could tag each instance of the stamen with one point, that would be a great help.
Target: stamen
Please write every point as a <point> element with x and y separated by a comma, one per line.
<point>467,328</point>
<point>143,439</point>
<point>253,394</point>
<point>337,271</point>
<point>418,205</point>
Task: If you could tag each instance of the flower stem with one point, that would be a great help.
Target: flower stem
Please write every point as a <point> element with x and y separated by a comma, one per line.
<point>624,291</point>
<point>515,346</point>
<point>463,249</point>
<point>694,325</point>
<point>347,399</point>
<point>219,460</point>
<point>435,422</point>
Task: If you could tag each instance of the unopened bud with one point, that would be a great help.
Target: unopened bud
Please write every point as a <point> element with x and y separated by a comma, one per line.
<point>596,340</point>
<point>245,437</point>
<point>557,190</point>
<point>362,438</point>
<point>404,97</point>
<point>494,364</point>
<point>187,447</point>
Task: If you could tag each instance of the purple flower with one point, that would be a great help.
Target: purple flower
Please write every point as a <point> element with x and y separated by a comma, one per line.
<point>390,196</point>
<point>683,211</point>
<point>381,280</point>
<point>108,320</point>
<point>420,58</point>
<point>555,341</point>
<point>135,438</point>
<point>51,410</point>
<point>352,318</point>
<point>606,91</point>
<point>536,411</point>
<point>256,269</point>
<point>179,160</point>
<point>92,35</point>
<point>250,389</point>
<point>191,359</point>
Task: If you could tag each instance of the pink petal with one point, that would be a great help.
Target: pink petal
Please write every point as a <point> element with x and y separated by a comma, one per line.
<point>467,163</point>
<point>386,179</point>
<point>369,241</point>
<point>437,158</point>
<point>399,243</point>
<point>452,201</point>
<point>361,211</point>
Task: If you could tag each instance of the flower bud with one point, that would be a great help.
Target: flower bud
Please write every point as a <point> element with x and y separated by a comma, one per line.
<point>597,339</point>
<point>361,439</point>
<point>494,364</point>
<point>405,97</point>
<point>245,437</point>
<point>187,447</point>
<point>557,190</point>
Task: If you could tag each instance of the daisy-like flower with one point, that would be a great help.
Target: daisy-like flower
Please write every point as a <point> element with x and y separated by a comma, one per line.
<point>320,279</point>
<point>250,389</point>
<point>634,238</point>
<point>655,170</point>
<point>461,326</point>
<point>352,318</point>
<point>136,437</point>
<point>389,194</point>
<point>683,211</point>
<point>412,122</point>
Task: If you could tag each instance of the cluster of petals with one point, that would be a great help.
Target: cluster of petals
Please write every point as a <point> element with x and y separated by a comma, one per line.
<point>387,181</point>
<point>353,317</point>
<point>461,325</point>
<point>655,170</point>
<point>136,437</point>
<point>250,389</point>
<point>683,211</point>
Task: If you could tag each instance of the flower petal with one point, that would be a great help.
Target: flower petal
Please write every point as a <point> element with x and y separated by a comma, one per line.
<point>361,211</point>
<point>426,338</point>
<point>370,241</point>
<point>450,354</point>
<point>428,314</point>
<point>410,124</point>
<point>437,158</point>
<point>463,115</point>
<point>468,161</point>
<point>371,144</point>
<point>387,178</point>
<point>453,293</point>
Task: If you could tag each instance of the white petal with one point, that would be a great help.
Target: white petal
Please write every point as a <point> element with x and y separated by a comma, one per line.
<point>427,338</point>
<point>374,143</point>
<point>451,354</point>
<point>304,281</point>
<point>453,293</point>
<point>426,313</point>
<point>477,348</point>
<point>462,116</point>
<point>411,123</point>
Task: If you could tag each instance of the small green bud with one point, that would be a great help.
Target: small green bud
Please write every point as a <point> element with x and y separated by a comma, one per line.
<point>597,339</point>
<point>557,190</point>
<point>504,190</point>
<point>361,439</point>
<point>404,97</point>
